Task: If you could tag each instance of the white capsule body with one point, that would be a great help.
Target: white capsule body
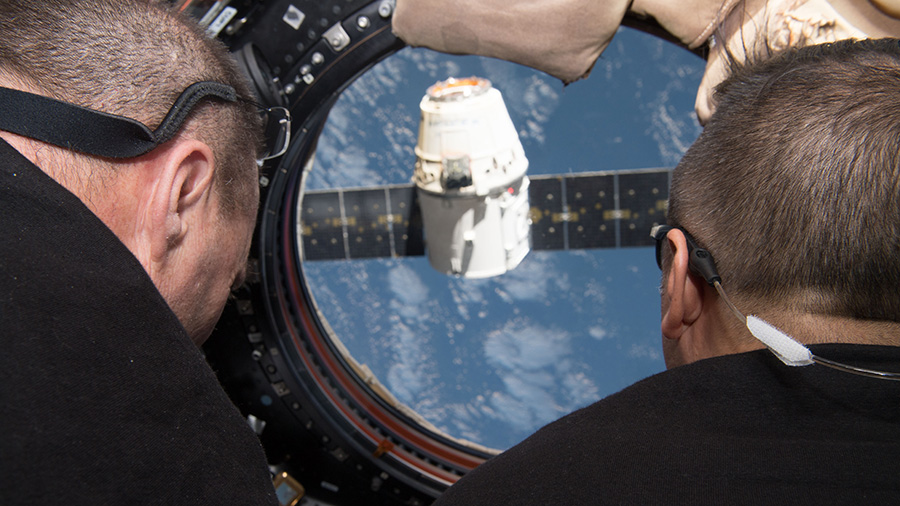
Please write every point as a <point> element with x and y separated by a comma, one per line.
<point>471,180</point>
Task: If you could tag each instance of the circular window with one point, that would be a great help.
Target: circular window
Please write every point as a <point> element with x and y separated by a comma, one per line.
<point>374,378</point>
<point>492,360</point>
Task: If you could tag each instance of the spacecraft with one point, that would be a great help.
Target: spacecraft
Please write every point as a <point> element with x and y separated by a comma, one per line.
<point>471,180</point>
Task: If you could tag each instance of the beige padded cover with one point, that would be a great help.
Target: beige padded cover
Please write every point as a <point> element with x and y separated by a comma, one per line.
<point>560,37</point>
<point>565,37</point>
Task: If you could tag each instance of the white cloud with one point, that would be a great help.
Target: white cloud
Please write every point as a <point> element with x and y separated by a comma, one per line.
<point>598,333</point>
<point>673,134</point>
<point>536,370</point>
<point>523,413</point>
<point>644,351</point>
<point>432,63</point>
<point>517,346</point>
<point>531,101</point>
<point>532,279</point>
<point>412,373</point>
<point>673,130</point>
<point>467,295</point>
<point>464,418</point>
<point>409,293</point>
<point>581,389</point>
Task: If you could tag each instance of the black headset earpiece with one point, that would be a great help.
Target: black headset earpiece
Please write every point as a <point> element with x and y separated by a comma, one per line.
<point>700,261</point>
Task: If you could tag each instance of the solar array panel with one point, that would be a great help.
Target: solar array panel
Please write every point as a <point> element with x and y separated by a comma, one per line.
<point>571,211</point>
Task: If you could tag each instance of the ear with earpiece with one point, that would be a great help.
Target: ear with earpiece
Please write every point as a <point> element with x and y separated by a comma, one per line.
<point>683,291</point>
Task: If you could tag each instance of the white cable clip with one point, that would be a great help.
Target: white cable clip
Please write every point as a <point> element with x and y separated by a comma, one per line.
<point>782,345</point>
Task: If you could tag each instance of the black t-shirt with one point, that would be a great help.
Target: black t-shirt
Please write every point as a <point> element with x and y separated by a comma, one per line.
<point>104,399</point>
<point>737,429</point>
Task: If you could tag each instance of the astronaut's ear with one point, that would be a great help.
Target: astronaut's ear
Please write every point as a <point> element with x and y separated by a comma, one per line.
<point>682,292</point>
<point>181,201</point>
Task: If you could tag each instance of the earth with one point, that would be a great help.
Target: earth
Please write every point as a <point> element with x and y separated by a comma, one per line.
<point>492,360</point>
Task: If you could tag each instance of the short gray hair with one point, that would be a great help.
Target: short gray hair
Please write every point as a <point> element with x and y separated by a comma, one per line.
<point>133,58</point>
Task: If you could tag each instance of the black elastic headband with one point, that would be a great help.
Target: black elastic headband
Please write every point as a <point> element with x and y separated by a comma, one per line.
<point>98,133</point>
